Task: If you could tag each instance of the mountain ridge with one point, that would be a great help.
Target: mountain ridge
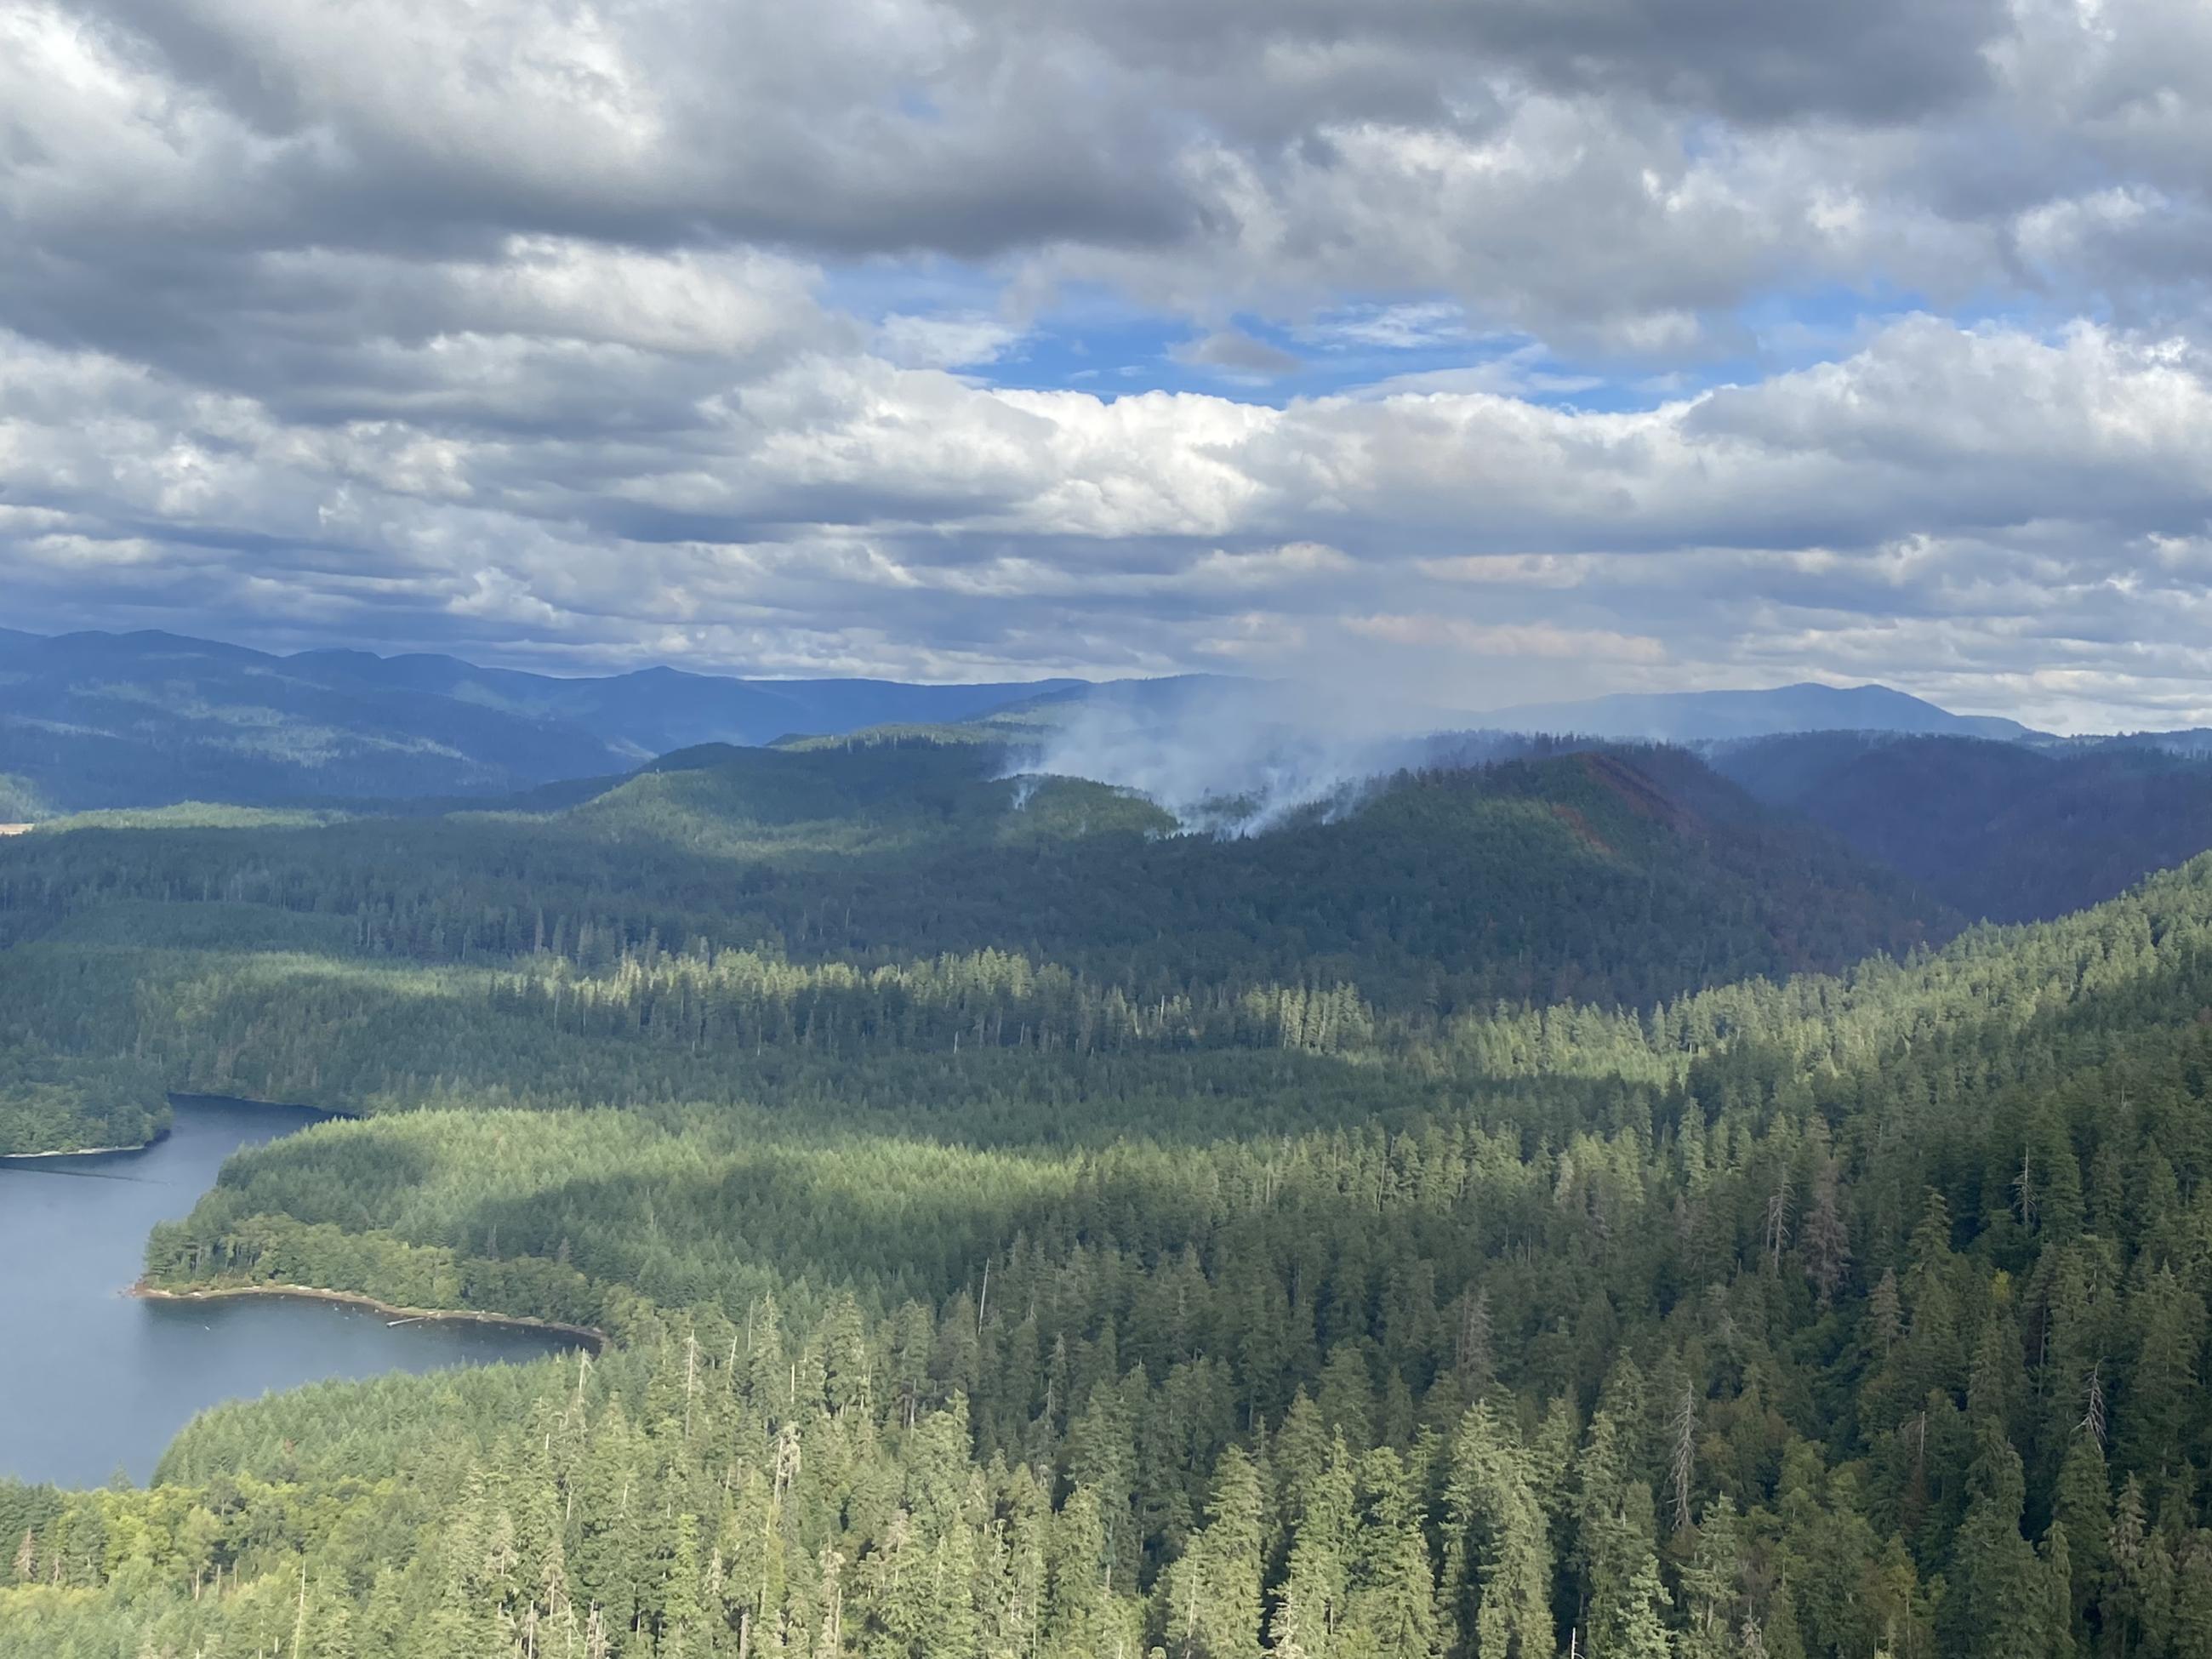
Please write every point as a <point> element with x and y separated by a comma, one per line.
<point>95,720</point>
<point>1695,716</point>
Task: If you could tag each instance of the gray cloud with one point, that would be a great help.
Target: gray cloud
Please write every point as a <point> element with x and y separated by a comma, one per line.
<point>527,329</point>
<point>1237,353</point>
<point>2023,493</point>
<point>1610,171</point>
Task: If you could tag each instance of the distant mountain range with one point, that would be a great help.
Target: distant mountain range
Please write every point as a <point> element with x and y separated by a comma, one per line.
<point>98,720</point>
<point>1702,716</point>
<point>114,720</point>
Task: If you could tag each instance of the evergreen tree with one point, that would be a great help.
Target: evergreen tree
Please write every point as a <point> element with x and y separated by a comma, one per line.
<point>1213,1593</point>
<point>1390,1609</point>
<point>1312,1605</point>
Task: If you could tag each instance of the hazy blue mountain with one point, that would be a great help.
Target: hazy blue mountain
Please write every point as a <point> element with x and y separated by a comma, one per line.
<point>98,720</point>
<point>1696,717</point>
<point>105,719</point>
<point>653,710</point>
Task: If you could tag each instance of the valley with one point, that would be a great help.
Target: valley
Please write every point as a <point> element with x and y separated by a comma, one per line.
<point>1517,1205</point>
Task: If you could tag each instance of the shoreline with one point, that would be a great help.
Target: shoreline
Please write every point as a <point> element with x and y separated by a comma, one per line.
<point>188,1101</point>
<point>81,1151</point>
<point>595,1339</point>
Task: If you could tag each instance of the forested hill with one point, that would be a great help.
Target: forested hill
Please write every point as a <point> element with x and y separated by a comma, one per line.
<point>822,888</point>
<point>1624,876</point>
<point>969,1302</point>
<point>1994,830</point>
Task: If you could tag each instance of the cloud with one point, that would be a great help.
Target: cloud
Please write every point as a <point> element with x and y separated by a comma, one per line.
<point>1237,353</point>
<point>956,341</point>
<point>1510,639</point>
<point>769,338</point>
<point>1397,327</point>
<point>1615,170</point>
<point>1511,569</point>
<point>2020,494</point>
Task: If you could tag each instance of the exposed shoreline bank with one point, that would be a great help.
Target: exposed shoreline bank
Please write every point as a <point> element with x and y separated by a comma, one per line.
<point>595,1339</point>
<point>83,1151</point>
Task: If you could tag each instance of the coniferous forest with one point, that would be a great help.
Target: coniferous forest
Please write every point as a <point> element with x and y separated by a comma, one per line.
<point>1561,1205</point>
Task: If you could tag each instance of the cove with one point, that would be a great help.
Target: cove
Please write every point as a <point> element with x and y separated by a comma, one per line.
<point>93,1380</point>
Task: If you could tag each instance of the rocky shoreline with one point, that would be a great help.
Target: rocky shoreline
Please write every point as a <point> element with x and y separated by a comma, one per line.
<point>595,1339</point>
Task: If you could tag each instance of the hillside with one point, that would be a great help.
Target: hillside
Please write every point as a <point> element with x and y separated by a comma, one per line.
<point>1094,1290</point>
<point>2000,831</point>
<point>1630,878</point>
<point>100,720</point>
<point>1626,876</point>
<point>883,796</point>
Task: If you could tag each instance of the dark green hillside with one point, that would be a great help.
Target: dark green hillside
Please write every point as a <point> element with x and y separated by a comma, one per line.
<point>53,1102</point>
<point>894,794</point>
<point>1609,879</point>
<point>1709,716</point>
<point>1994,830</point>
<point>1616,878</point>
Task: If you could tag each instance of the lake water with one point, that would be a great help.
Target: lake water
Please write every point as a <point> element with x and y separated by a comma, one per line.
<point>92,1380</point>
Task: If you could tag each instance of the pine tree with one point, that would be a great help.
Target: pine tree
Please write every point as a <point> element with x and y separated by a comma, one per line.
<point>1310,1607</point>
<point>2082,1504</point>
<point>2138,1611</point>
<point>1213,1593</point>
<point>1994,1576</point>
<point>1082,1617</point>
<point>2054,1634</point>
<point>1391,1608</point>
<point>1636,1627</point>
<point>2193,1599</point>
<point>1711,1585</point>
<point>684,1628</point>
<point>1498,1558</point>
<point>2155,1412</point>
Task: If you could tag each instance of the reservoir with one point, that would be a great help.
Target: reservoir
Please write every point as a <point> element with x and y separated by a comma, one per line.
<point>92,1380</point>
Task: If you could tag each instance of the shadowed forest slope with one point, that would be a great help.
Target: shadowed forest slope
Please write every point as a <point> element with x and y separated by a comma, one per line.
<point>1992,830</point>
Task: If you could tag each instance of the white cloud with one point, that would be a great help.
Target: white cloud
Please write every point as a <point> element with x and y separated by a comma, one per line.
<point>962,340</point>
<point>1511,569</point>
<point>1941,497</point>
<point>1398,327</point>
<point>531,327</point>
<point>1510,639</point>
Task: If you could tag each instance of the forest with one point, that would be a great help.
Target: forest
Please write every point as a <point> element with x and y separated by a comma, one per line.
<point>1562,1206</point>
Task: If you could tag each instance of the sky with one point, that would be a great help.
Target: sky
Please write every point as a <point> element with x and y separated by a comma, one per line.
<point>1482,353</point>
